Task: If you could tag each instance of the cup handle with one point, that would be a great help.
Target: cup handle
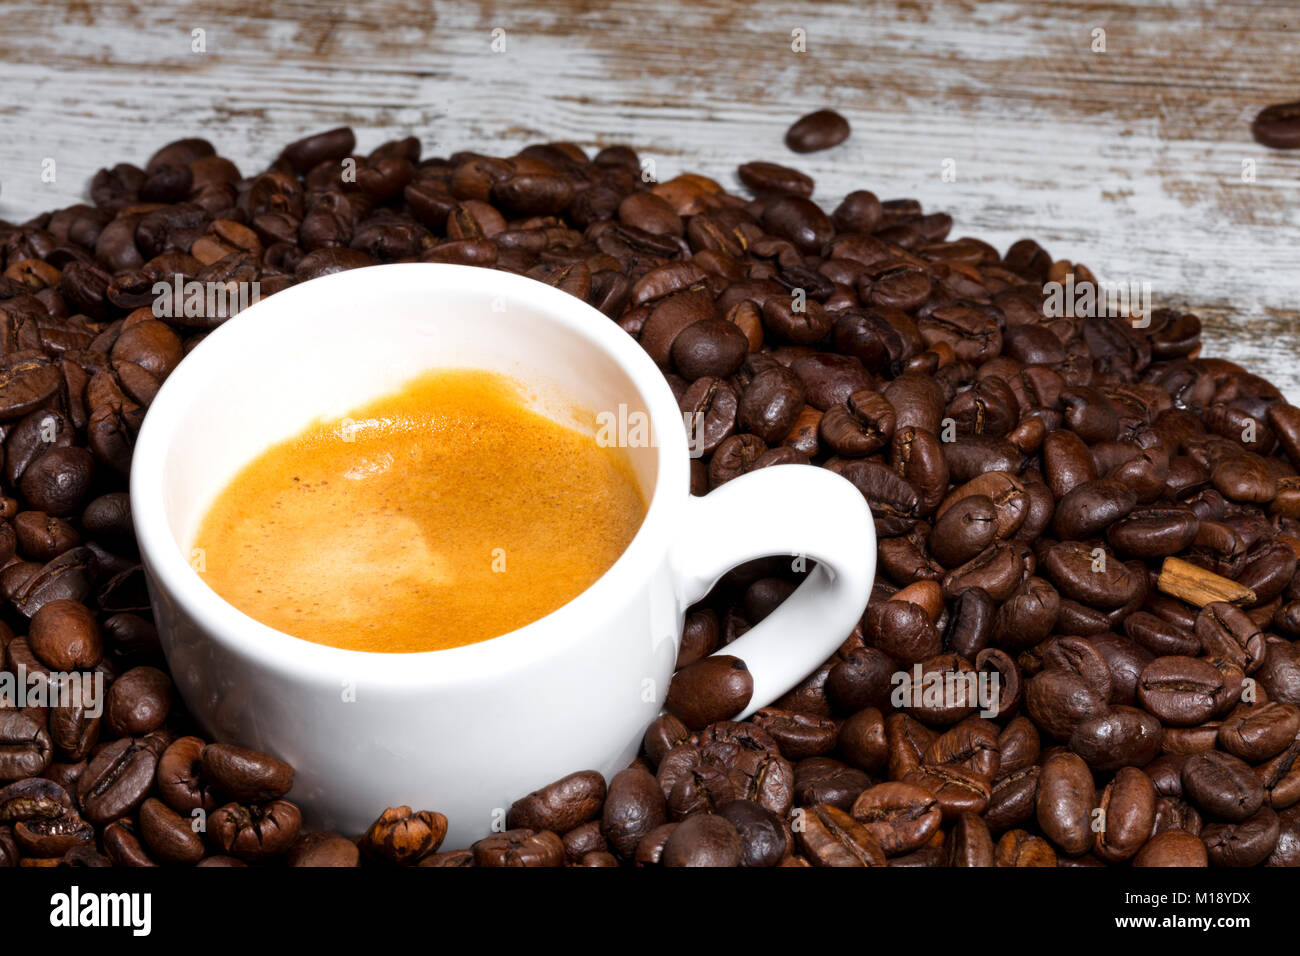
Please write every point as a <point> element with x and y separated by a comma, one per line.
<point>784,509</point>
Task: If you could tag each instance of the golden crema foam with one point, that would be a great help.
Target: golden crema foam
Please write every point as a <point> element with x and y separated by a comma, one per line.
<point>445,514</point>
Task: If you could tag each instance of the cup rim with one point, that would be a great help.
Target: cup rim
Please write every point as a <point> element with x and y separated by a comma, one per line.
<point>302,659</point>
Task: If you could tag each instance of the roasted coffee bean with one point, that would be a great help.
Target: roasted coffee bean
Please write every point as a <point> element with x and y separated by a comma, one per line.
<point>138,701</point>
<point>764,596</point>
<point>770,403</point>
<point>704,839</point>
<point>322,849</point>
<point>583,839</point>
<point>520,847</point>
<point>1179,690</point>
<point>699,637</point>
<point>902,630</point>
<point>663,734</point>
<point>41,536</point>
<point>830,837</point>
<point>1128,813</point>
<point>958,789</point>
<point>1222,785</point>
<point>1258,733</point>
<point>35,799</point>
<point>960,696</point>
<point>268,830</point>
<point>123,847</point>
<point>650,851</point>
<point>9,854</point>
<point>802,222</point>
<point>709,410</point>
<point>331,146</point>
<point>971,618</point>
<point>59,480</point>
<point>1281,776</point>
<point>180,771</point>
<point>399,836</point>
<point>750,759</point>
<point>1005,491</point>
<point>1244,477</point>
<point>1091,508</point>
<point>561,806</point>
<point>860,212</point>
<point>999,570</point>
<point>1013,799</point>
<point>798,735</point>
<point>1246,843</point>
<point>167,835</point>
<point>1280,673</point>
<point>1166,772</point>
<point>1286,852</point>
<point>1018,746</point>
<point>1224,630</point>
<point>1078,656</point>
<point>809,696</point>
<point>1154,531</point>
<point>1121,737</point>
<point>1028,615</point>
<point>634,805</point>
<point>970,843</point>
<point>1173,813</point>
<point>247,776</point>
<point>65,636</point>
<point>1172,848</point>
<point>1003,677</point>
<point>763,839</point>
<point>1091,575</point>
<point>816,131</point>
<point>644,211</point>
<point>84,856</point>
<point>117,779</point>
<point>862,740</point>
<point>69,576</point>
<point>901,817</point>
<point>830,379</point>
<point>735,456</point>
<point>1021,848</point>
<point>1066,799</point>
<point>862,679</point>
<point>1059,701</point>
<point>692,784</point>
<point>964,530</point>
<point>1066,462</point>
<point>861,426</point>
<point>823,780</point>
<point>715,688</point>
<point>50,838</point>
<point>1158,636</point>
<point>710,347</point>
<point>75,726</point>
<point>1268,570</point>
<point>970,456</point>
<point>764,177</point>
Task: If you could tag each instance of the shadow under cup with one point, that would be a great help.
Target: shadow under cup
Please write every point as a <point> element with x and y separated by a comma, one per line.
<point>364,730</point>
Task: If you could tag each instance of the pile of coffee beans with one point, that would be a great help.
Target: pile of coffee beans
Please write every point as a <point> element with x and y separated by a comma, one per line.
<point>1082,514</point>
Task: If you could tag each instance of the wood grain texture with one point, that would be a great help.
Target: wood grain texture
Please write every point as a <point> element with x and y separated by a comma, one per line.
<point>1128,160</point>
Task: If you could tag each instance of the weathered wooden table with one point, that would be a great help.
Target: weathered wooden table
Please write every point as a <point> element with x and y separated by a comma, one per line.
<point>1117,135</point>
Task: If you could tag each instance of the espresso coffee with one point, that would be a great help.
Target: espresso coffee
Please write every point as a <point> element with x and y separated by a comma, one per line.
<point>447,513</point>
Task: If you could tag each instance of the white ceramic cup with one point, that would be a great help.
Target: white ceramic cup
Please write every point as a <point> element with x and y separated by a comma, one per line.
<point>467,731</point>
